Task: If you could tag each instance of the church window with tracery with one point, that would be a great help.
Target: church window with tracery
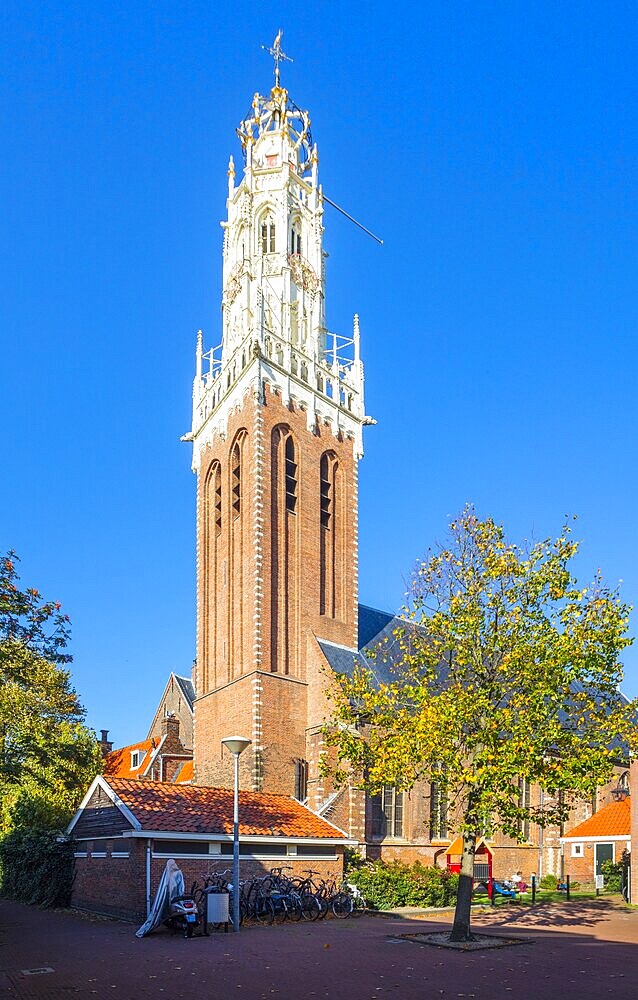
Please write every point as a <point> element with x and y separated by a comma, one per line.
<point>387,813</point>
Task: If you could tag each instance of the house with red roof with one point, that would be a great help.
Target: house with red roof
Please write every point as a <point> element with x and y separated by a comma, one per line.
<point>157,758</point>
<point>126,829</point>
<point>602,837</point>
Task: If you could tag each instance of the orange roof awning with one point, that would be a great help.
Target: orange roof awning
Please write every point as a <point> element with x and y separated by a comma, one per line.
<point>457,846</point>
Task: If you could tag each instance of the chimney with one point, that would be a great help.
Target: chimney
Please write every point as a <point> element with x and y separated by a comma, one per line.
<point>170,729</point>
<point>106,745</point>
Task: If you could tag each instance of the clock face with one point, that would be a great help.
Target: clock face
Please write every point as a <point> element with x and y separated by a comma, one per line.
<point>303,273</point>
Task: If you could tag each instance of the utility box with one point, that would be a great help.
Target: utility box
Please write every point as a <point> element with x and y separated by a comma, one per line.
<point>217,907</point>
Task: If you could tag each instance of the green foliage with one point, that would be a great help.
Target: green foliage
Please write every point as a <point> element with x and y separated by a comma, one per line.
<point>27,620</point>
<point>36,867</point>
<point>548,881</point>
<point>47,755</point>
<point>513,671</point>
<point>396,884</point>
<point>352,859</point>
<point>613,873</point>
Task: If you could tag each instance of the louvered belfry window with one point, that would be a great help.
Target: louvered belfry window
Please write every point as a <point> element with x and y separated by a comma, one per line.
<point>291,476</point>
<point>326,492</point>
<point>236,480</point>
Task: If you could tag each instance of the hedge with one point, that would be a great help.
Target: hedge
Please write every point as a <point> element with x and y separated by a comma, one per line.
<point>36,867</point>
<point>396,884</point>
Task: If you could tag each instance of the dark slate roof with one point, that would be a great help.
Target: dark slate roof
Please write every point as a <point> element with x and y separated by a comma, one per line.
<point>341,659</point>
<point>376,635</point>
<point>188,689</point>
<point>371,624</point>
<point>380,651</point>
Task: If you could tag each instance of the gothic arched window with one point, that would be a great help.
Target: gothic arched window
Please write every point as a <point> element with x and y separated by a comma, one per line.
<point>268,235</point>
<point>331,537</point>
<point>284,552</point>
<point>295,238</point>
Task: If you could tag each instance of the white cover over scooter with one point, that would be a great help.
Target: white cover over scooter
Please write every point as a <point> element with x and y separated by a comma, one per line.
<point>171,885</point>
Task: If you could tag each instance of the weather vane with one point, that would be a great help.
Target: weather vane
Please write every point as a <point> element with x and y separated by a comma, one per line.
<point>277,54</point>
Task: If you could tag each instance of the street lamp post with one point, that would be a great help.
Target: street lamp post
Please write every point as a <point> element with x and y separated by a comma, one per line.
<point>236,745</point>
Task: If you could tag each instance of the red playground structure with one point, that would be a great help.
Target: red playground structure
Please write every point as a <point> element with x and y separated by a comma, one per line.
<point>482,862</point>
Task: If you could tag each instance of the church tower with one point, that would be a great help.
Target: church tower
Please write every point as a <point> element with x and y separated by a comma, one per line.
<point>277,433</point>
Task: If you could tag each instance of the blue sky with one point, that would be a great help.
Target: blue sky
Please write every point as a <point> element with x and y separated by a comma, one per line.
<point>493,146</point>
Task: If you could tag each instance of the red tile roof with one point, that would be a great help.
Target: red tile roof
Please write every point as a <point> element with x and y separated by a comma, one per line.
<point>610,821</point>
<point>117,764</point>
<point>197,809</point>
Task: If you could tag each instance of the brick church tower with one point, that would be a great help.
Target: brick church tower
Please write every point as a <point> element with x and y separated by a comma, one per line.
<point>277,433</point>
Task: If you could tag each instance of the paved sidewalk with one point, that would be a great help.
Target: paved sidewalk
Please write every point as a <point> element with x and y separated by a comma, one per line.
<point>585,951</point>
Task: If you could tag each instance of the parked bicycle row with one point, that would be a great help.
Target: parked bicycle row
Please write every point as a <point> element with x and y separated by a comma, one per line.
<point>276,897</point>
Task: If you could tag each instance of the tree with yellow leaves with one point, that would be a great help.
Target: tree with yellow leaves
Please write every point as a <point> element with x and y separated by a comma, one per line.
<point>508,670</point>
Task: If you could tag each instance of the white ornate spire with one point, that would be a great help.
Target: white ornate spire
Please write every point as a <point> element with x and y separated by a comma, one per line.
<point>273,303</point>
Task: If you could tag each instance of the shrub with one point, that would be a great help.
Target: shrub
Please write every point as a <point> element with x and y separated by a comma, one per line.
<point>613,874</point>
<point>36,867</point>
<point>397,884</point>
<point>548,882</point>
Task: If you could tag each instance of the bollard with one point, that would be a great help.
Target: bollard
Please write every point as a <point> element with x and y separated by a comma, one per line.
<point>533,889</point>
<point>568,896</point>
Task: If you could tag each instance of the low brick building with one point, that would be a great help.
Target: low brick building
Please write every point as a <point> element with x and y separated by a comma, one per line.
<point>602,837</point>
<point>126,829</point>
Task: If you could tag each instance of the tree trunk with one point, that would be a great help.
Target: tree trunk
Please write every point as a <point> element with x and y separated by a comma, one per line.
<point>461,925</point>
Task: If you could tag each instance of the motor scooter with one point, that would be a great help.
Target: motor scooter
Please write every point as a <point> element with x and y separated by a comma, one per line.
<point>182,915</point>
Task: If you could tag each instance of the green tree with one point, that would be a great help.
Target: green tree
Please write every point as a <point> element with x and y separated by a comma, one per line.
<point>509,670</point>
<point>47,754</point>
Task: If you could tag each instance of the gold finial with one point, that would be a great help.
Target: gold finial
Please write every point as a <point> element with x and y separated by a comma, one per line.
<point>277,54</point>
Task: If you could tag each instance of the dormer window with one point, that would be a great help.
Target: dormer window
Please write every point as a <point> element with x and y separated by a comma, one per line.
<point>268,236</point>
<point>137,757</point>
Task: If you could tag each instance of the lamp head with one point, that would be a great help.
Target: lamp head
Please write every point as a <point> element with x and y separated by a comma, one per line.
<point>236,744</point>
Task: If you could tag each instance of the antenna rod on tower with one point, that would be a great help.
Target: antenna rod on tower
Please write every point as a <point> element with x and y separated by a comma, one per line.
<point>343,212</point>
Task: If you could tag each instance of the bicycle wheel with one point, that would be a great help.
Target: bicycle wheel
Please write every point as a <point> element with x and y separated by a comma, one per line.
<point>359,906</point>
<point>264,910</point>
<point>280,909</point>
<point>295,910</point>
<point>310,907</point>
<point>341,905</point>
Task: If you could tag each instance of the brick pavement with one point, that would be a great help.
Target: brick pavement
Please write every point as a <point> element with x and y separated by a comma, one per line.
<point>585,951</point>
